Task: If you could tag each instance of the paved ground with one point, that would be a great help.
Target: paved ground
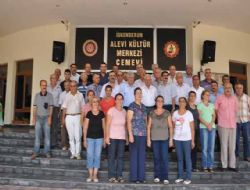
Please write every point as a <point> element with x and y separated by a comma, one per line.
<point>10,187</point>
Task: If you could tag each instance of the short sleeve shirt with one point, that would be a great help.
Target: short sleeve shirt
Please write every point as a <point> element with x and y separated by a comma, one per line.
<point>42,103</point>
<point>159,128</point>
<point>117,124</point>
<point>182,130</point>
<point>139,127</point>
<point>95,128</point>
<point>206,113</point>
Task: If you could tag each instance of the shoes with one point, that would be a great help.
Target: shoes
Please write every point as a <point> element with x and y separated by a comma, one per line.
<point>72,157</point>
<point>187,182</point>
<point>65,148</point>
<point>120,180</point>
<point>96,180</point>
<point>156,180</point>
<point>210,170</point>
<point>113,180</point>
<point>78,157</point>
<point>33,156</point>
<point>204,170</point>
<point>178,181</point>
<point>247,159</point>
<point>48,155</point>
<point>195,170</point>
<point>233,169</point>
<point>88,180</point>
<point>165,182</point>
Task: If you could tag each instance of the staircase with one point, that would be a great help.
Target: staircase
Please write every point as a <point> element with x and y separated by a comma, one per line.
<point>18,171</point>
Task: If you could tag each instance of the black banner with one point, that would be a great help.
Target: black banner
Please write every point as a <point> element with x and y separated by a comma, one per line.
<point>171,48</point>
<point>89,47</point>
<point>128,47</point>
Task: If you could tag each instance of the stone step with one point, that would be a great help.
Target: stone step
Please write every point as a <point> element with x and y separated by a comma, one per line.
<point>103,175</point>
<point>79,183</point>
<point>4,149</point>
<point>54,161</point>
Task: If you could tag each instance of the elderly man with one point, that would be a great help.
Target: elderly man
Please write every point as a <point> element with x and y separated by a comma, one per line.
<point>95,85</point>
<point>72,107</point>
<point>74,75</point>
<point>188,76</point>
<point>182,89</point>
<point>149,93</point>
<point>172,73</point>
<point>226,108</point>
<point>140,82</point>
<point>112,82</point>
<point>156,80</point>
<point>55,90</point>
<point>197,88</point>
<point>58,73</point>
<point>168,91</point>
<point>243,121</point>
<point>206,83</point>
<point>42,115</point>
<point>225,79</point>
<point>127,90</point>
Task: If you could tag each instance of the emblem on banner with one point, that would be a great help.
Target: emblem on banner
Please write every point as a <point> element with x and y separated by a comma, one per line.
<point>89,48</point>
<point>171,49</point>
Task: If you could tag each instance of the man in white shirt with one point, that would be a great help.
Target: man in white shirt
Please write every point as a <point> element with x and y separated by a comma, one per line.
<point>58,73</point>
<point>168,91</point>
<point>64,133</point>
<point>182,89</point>
<point>72,108</point>
<point>140,82</point>
<point>55,89</point>
<point>172,74</point>
<point>112,82</point>
<point>127,90</point>
<point>74,75</point>
<point>157,77</point>
<point>197,88</point>
<point>187,77</point>
<point>149,93</point>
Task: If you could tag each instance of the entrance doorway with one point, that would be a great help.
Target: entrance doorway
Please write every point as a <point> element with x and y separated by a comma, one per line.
<point>238,73</point>
<point>23,91</point>
<point>3,85</point>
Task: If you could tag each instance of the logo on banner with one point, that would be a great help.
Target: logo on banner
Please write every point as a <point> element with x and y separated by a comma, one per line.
<point>89,48</point>
<point>171,49</point>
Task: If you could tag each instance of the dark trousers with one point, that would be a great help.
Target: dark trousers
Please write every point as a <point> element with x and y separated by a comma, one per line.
<point>55,127</point>
<point>160,153</point>
<point>183,151</point>
<point>194,151</point>
<point>243,128</point>
<point>137,155</point>
<point>116,157</point>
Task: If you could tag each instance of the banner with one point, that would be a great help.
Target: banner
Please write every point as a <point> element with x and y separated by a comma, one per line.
<point>171,48</point>
<point>128,47</point>
<point>89,47</point>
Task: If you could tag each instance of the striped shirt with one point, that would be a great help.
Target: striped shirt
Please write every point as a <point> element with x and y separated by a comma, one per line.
<point>243,113</point>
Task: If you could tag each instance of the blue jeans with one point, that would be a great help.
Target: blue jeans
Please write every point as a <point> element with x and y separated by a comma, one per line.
<point>116,157</point>
<point>160,153</point>
<point>137,157</point>
<point>94,150</point>
<point>42,124</point>
<point>245,129</point>
<point>183,151</point>
<point>207,145</point>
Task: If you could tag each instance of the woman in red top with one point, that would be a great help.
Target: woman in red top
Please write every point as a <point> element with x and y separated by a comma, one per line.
<point>108,101</point>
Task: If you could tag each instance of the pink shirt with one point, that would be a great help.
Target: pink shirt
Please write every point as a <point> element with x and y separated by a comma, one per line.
<point>226,108</point>
<point>117,125</point>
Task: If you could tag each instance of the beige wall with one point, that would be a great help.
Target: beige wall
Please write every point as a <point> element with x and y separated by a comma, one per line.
<point>36,43</point>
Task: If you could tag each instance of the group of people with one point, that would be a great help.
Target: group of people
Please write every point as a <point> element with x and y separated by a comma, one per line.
<point>163,110</point>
